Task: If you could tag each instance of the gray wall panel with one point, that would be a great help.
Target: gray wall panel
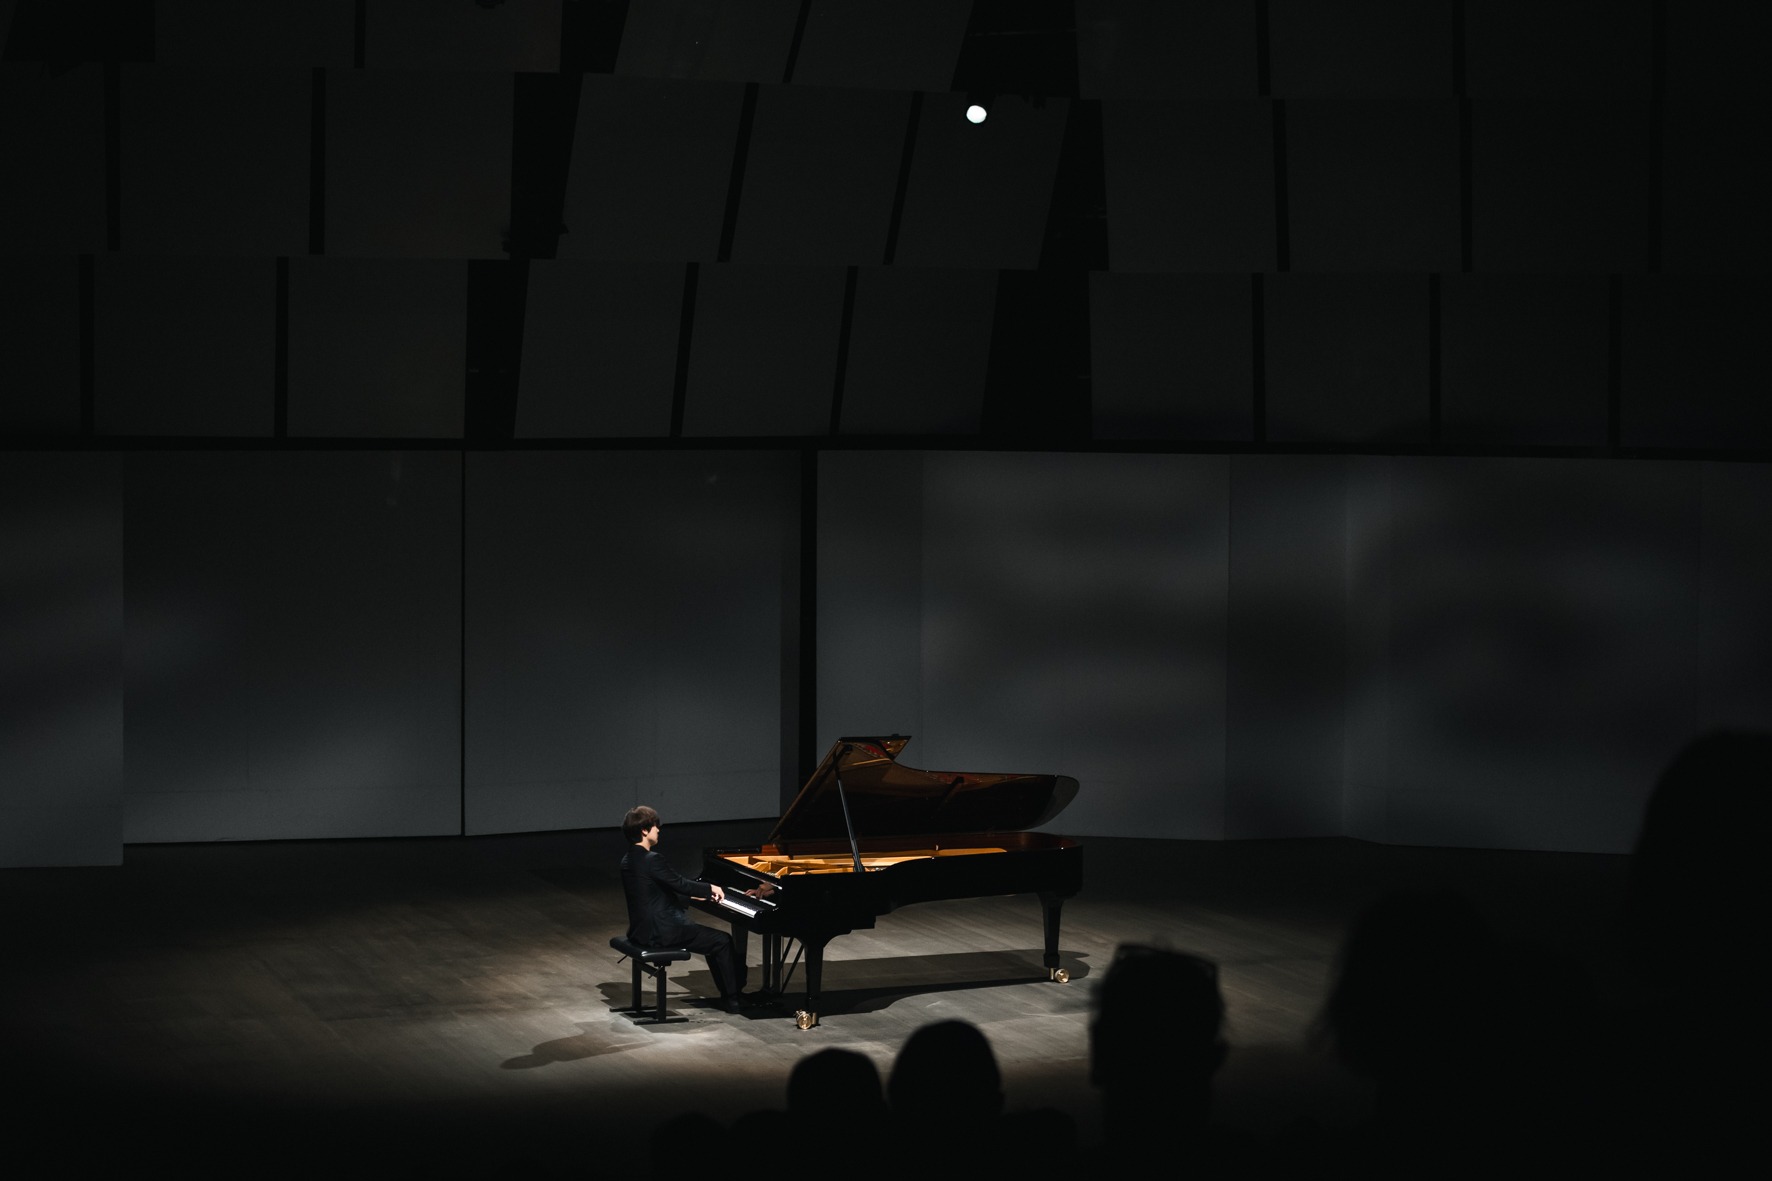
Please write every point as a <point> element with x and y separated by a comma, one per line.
<point>1735,625</point>
<point>61,660</point>
<point>624,638</point>
<point>293,656</point>
<point>1543,647</point>
<point>870,595</point>
<point>1074,622</point>
<point>1286,689</point>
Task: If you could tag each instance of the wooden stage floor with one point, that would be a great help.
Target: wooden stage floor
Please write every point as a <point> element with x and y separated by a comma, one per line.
<point>394,1006</point>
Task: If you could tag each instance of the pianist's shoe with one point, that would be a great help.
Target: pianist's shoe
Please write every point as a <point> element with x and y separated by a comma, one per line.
<point>741,1002</point>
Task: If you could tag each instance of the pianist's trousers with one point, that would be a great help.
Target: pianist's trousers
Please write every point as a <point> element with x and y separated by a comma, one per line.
<point>722,957</point>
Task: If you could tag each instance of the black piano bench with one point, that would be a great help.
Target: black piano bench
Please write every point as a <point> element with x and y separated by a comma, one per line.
<point>654,961</point>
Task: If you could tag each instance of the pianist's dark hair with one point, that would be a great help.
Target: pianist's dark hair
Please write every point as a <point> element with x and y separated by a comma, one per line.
<point>637,821</point>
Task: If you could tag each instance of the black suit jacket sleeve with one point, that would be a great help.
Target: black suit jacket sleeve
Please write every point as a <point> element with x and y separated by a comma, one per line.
<point>655,890</point>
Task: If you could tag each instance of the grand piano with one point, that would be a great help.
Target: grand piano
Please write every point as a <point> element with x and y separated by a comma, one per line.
<point>868,834</point>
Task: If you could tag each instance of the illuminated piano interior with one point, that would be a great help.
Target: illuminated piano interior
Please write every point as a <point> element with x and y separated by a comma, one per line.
<point>780,864</point>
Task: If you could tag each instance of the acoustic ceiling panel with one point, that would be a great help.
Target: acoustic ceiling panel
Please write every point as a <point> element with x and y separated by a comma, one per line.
<point>708,39</point>
<point>599,349</point>
<point>1172,356</point>
<point>215,162</point>
<point>1713,200</point>
<point>1572,48</point>
<point>886,44</point>
<point>820,175</point>
<point>764,356</point>
<point>1136,49</point>
<point>377,347</point>
<point>1397,47</point>
<point>1694,361</point>
<point>418,164</point>
<point>919,348</point>
<point>651,165</point>
<point>1347,358</point>
<point>1373,184</point>
<point>423,34</point>
<point>1559,186</point>
<point>52,138</point>
<point>40,345</point>
<point>1523,360</point>
<point>979,194</point>
<point>1189,185</point>
<point>185,346</point>
<point>264,33</point>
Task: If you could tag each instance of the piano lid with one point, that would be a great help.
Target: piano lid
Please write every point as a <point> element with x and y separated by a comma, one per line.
<point>888,799</point>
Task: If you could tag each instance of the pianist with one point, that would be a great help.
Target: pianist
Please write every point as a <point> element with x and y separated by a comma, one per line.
<point>656,914</point>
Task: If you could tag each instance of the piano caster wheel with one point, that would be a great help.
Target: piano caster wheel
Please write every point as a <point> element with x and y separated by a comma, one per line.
<point>804,1020</point>
<point>1061,975</point>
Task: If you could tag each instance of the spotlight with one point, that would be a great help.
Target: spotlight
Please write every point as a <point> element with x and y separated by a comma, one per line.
<point>976,113</point>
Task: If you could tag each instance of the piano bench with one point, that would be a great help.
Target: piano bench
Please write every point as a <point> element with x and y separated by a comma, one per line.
<point>654,961</point>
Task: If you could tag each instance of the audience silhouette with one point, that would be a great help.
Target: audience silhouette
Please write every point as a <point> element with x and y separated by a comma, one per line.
<point>835,1101</point>
<point>1485,1052</point>
<point>1155,1043</point>
<point>1697,938</point>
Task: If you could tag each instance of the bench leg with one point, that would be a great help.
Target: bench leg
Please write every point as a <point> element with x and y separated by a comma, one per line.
<point>636,1006</point>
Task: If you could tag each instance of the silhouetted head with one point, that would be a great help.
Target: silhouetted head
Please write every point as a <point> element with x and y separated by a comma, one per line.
<point>946,1076</point>
<point>1414,987</point>
<point>1158,1024</point>
<point>1696,877</point>
<point>690,1135</point>
<point>835,1083</point>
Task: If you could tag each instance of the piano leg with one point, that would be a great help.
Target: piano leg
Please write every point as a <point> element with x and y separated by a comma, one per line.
<point>807,1017</point>
<point>1050,905</point>
<point>741,949</point>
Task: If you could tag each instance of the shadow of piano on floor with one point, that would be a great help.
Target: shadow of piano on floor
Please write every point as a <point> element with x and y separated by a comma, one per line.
<point>870,985</point>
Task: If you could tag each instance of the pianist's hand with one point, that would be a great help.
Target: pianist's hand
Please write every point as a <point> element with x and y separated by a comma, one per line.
<point>719,894</point>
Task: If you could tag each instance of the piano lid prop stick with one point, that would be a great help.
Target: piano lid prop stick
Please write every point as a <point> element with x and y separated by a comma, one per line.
<point>854,846</point>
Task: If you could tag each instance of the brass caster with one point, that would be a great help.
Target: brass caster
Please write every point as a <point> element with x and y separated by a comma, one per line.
<point>804,1020</point>
<point>1061,975</point>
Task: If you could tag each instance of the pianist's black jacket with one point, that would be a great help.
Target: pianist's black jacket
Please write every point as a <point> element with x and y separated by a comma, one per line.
<point>656,914</point>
